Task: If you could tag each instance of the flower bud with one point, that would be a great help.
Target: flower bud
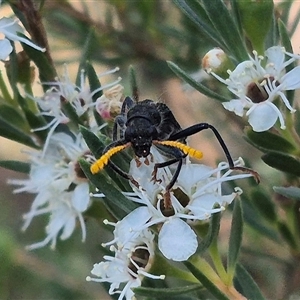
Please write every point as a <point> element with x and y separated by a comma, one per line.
<point>215,60</point>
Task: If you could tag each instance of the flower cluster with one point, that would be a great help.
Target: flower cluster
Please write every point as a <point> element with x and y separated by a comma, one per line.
<point>258,82</point>
<point>133,258</point>
<point>196,195</point>
<point>61,188</point>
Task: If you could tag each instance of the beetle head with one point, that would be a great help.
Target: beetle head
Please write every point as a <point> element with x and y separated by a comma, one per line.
<point>141,139</point>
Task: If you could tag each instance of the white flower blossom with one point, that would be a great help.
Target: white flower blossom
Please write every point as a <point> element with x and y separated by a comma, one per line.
<point>60,187</point>
<point>130,264</point>
<point>9,28</point>
<point>257,83</point>
<point>195,196</point>
<point>62,91</point>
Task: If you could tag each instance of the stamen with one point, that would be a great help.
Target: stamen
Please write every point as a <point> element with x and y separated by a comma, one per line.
<point>183,147</point>
<point>99,164</point>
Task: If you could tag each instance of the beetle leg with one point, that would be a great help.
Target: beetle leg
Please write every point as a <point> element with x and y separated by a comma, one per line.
<point>201,126</point>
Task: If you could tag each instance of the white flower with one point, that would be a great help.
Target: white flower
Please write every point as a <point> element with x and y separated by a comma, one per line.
<point>60,187</point>
<point>128,267</point>
<point>256,85</point>
<point>195,196</point>
<point>10,28</point>
<point>64,91</point>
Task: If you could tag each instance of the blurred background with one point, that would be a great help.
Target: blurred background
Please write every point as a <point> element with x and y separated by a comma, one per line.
<point>144,34</point>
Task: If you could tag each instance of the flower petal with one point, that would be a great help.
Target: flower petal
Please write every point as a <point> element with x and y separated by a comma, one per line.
<point>262,117</point>
<point>235,105</point>
<point>276,56</point>
<point>80,197</point>
<point>176,240</point>
<point>5,49</point>
<point>130,227</point>
<point>291,80</point>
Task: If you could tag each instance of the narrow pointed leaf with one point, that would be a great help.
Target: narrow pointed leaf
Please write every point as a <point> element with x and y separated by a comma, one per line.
<point>287,234</point>
<point>235,239</point>
<point>229,32</point>
<point>196,85</point>
<point>264,205</point>
<point>93,81</point>
<point>282,162</point>
<point>210,286</point>
<point>256,17</point>
<point>11,132</point>
<point>47,71</point>
<point>85,53</point>
<point>212,233</point>
<point>121,206</point>
<point>289,192</point>
<point>133,84</point>
<point>95,84</point>
<point>168,293</point>
<point>194,11</point>
<point>266,141</point>
<point>13,116</point>
<point>15,165</point>
<point>258,224</point>
<point>249,286</point>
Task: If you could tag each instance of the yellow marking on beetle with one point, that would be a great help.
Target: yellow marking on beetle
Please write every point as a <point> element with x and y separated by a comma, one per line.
<point>183,147</point>
<point>100,163</point>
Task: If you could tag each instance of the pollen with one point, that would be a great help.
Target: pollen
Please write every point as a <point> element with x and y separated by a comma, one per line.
<point>99,164</point>
<point>183,147</point>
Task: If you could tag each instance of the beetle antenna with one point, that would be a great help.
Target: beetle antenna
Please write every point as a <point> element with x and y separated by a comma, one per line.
<point>100,163</point>
<point>183,147</point>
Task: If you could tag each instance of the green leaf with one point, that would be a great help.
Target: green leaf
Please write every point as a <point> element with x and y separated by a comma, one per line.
<point>167,293</point>
<point>289,192</point>
<point>47,71</point>
<point>266,141</point>
<point>93,142</point>
<point>194,11</point>
<point>85,54</point>
<point>95,85</point>
<point>212,233</point>
<point>287,234</point>
<point>36,121</point>
<point>196,85</point>
<point>210,286</point>
<point>11,132</point>
<point>93,81</point>
<point>249,286</point>
<point>229,33</point>
<point>256,18</point>
<point>263,228</point>
<point>120,205</point>
<point>264,205</point>
<point>70,111</point>
<point>15,165</point>
<point>13,116</point>
<point>235,239</point>
<point>133,84</point>
<point>282,162</point>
